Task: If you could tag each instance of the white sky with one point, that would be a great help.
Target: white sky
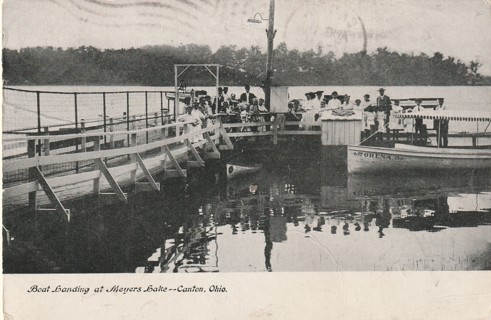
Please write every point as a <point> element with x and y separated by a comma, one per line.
<point>459,28</point>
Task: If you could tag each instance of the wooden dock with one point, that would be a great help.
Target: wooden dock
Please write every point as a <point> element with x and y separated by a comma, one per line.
<point>110,165</point>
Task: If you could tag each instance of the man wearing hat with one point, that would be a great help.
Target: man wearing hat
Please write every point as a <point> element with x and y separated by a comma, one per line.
<point>317,102</point>
<point>247,96</point>
<point>418,122</point>
<point>383,108</point>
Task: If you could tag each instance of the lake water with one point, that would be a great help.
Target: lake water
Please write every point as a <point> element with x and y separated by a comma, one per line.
<point>290,216</point>
<point>293,215</point>
<point>19,108</point>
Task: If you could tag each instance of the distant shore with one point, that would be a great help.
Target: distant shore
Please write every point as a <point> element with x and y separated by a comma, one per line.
<point>154,66</point>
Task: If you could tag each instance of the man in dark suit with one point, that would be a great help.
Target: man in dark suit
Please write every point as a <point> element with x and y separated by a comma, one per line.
<point>247,96</point>
<point>383,107</point>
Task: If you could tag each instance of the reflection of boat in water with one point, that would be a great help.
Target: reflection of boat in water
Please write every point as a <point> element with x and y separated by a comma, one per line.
<point>234,170</point>
<point>408,157</point>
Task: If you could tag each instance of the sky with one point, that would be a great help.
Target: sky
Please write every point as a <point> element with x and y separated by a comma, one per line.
<point>458,28</point>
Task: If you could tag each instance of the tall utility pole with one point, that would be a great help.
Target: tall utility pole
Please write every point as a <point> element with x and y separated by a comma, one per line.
<point>270,32</point>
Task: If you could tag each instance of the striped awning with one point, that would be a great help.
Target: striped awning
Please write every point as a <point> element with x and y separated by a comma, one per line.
<point>453,115</point>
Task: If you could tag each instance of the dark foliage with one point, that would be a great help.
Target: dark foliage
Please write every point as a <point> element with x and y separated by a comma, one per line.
<point>154,66</point>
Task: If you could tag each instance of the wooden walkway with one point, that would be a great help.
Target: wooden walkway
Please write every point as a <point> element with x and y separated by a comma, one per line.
<point>116,159</point>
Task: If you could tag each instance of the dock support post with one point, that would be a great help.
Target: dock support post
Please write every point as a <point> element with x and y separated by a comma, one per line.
<point>177,168</point>
<point>50,193</point>
<point>225,137</point>
<point>7,235</point>
<point>112,182</point>
<point>198,161</point>
<point>151,184</point>
<point>214,154</point>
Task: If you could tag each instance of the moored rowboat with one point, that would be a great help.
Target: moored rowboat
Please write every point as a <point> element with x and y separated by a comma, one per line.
<point>404,157</point>
<point>234,170</point>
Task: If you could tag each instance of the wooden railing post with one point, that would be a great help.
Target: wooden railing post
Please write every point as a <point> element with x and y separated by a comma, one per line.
<point>31,174</point>
<point>156,124</point>
<point>133,143</point>
<point>275,130</point>
<point>83,143</point>
<point>97,147</point>
<point>111,137</point>
<point>165,131</point>
<point>46,142</point>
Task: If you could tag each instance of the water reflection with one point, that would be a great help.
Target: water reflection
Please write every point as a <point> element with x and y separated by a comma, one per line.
<point>284,218</point>
<point>283,206</point>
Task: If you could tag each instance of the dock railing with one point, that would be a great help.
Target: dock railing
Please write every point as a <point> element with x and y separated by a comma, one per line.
<point>103,156</point>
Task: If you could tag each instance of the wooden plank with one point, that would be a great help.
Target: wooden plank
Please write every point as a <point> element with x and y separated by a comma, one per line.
<point>249,134</point>
<point>20,189</point>
<point>174,162</point>
<point>96,134</point>
<point>51,195</point>
<point>195,153</point>
<point>299,133</point>
<point>226,138</point>
<point>147,173</point>
<point>246,124</point>
<point>74,178</point>
<point>56,159</point>
<point>306,123</point>
<point>114,185</point>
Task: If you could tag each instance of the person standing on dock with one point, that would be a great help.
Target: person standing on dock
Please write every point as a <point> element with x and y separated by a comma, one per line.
<point>442,125</point>
<point>334,103</point>
<point>317,101</point>
<point>383,110</point>
<point>193,126</point>
<point>346,103</point>
<point>368,114</point>
<point>247,96</point>
<point>218,101</point>
<point>396,124</point>
<point>226,96</point>
<point>418,122</point>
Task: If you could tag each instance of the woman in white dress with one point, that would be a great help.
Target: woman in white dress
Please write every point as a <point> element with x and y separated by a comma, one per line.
<point>194,126</point>
<point>310,110</point>
<point>396,124</point>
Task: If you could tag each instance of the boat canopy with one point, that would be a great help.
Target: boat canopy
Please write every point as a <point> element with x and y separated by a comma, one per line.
<point>456,115</point>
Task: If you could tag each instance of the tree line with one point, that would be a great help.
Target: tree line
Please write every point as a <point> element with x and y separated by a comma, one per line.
<point>154,66</point>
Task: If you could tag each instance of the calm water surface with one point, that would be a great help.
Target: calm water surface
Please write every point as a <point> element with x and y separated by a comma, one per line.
<point>290,216</point>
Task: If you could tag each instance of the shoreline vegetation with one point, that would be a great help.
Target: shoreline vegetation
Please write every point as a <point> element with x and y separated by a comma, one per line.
<point>154,66</point>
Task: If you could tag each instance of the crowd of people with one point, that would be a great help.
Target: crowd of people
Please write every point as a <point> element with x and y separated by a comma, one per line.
<point>380,115</point>
<point>247,108</point>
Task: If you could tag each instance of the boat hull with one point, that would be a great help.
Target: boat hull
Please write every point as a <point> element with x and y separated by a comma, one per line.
<point>237,170</point>
<point>375,159</point>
